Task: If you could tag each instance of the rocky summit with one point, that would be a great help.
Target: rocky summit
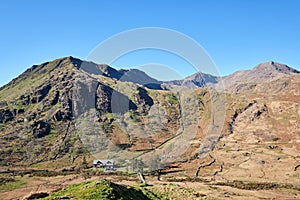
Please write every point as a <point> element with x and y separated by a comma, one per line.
<point>240,131</point>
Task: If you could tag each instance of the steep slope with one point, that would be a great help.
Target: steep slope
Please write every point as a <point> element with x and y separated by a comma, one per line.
<point>140,77</point>
<point>41,111</point>
<point>132,75</point>
<point>261,137</point>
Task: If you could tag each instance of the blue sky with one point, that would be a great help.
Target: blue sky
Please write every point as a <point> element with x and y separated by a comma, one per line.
<point>236,34</point>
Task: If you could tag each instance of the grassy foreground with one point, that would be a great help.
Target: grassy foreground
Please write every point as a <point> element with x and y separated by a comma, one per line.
<point>105,189</point>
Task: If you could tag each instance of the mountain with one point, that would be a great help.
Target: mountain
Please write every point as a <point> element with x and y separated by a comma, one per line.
<point>262,73</point>
<point>132,75</point>
<point>40,110</point>
<point>140,77</point>
<point>197,80</point>
<point>62,114</point>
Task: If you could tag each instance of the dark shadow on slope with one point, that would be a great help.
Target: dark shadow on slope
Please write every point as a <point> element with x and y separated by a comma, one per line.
<point>89,94</point>
<point>140,77</point>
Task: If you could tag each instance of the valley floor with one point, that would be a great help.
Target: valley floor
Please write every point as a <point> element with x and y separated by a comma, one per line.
<point>169,188</point>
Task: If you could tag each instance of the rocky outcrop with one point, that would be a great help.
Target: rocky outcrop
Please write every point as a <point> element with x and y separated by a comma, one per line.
<point>55,98</point>
<point>257,113</point>
<point>88,94</point>
<point>25,99</point>
<point>143,100</point>
<point>6,116</point>
<point>18,111</point>
<point>37,195</point>
<point>103,100</point>
<point>237,113</point>
<point>41,93</point>
<point>84,95</point>
<point>62,115</point>
<point>40,129</point>
<point>109,100</point>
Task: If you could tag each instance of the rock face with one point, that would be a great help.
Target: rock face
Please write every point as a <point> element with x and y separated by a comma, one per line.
<point>84,95</point>
<point>40,129</point>
<point>143,99</point>
<point>62,115</point>
<point>112,101</point>
<point>6,116</point>
<point>96,95</point>
<point>41,93</point>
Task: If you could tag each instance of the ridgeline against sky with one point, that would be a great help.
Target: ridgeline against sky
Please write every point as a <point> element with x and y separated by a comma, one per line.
<point>236,34</point>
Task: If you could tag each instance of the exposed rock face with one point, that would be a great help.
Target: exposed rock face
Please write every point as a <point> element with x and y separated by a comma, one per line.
<point>103,98</point>
<point>25,99</point>
<point>109,100</point>
<point>37,195</point>
<point>5,116</point>
<point>143,99</point>
<point>62,116</point>
<point>84,95</point>
<point>18,111</point>
<point>40,129</point>
<point>55,98</point>
<point>88,94</point>
<point>41,93</point>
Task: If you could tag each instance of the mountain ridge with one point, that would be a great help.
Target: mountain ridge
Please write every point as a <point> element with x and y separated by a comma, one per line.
<point>195,80</point>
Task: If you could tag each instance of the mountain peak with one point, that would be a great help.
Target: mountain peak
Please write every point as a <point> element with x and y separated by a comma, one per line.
<point>272,66</point>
